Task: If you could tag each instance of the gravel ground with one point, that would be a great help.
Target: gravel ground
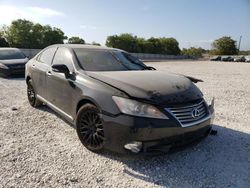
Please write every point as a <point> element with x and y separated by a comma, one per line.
<point>39,149</point>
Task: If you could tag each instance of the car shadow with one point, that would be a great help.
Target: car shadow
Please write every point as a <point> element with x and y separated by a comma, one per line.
<point>221,160</point>
<point>217,161</point>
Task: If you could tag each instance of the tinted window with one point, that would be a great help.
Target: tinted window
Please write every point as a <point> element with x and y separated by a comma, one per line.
<point>47,55</point>
<point>11,54</point>
<point>105,60</point>
<point>64,56</point>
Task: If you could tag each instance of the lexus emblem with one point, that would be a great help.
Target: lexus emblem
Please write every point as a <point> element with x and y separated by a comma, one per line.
<point>195,113</point>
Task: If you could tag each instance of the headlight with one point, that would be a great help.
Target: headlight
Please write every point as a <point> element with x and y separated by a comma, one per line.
<point>3,66</point>
<point>135,108</point>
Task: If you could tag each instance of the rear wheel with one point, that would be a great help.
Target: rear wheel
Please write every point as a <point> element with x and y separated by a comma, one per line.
<point>89,127</point>
<point>32,95</point>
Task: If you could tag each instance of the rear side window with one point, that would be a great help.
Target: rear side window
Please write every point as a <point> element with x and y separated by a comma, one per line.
<point>64,56</point>
<point>47,55</point>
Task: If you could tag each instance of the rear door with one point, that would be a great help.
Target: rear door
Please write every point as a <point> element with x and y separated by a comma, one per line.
<point>61,89</point>
<point>39,71</point>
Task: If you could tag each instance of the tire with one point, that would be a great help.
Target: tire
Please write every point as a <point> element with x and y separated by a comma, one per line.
<point>89,127</point>
<point>34,102</point>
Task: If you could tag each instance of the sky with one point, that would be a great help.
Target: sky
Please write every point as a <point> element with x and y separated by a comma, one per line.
<point>192,22</point>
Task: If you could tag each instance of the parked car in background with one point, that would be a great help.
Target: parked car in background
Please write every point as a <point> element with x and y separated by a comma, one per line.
<point>239,59</point>
<point>12,62</point>
<point>215,58</point>
<point>117,102</point>
<point>227,58</point>
<point>247,58</point>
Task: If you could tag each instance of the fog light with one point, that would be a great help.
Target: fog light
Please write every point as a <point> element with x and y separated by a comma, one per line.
<point>134,146</point>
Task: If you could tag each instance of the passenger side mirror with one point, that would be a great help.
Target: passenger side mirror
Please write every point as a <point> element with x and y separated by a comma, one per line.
<point>61,69</point>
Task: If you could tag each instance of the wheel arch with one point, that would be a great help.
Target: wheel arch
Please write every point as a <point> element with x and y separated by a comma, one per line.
<point>27,79</point>
<point>84,101</point>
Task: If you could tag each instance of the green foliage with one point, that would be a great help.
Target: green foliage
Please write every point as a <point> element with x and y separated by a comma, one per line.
<point>26,34</point>
<point>95,43</point>
<point>152,45</point>
<point>224,46</point>
<point>193,52</point>
<point>76,40</point>
<point>3,42</point>
<point>124,41</point>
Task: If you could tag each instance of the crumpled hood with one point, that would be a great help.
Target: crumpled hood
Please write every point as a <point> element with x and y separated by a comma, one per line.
<point>14,61</point>
<point>157,86</point>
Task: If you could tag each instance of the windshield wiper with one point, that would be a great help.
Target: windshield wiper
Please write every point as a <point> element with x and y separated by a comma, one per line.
<point>119,61</point>
<point>141,65</point>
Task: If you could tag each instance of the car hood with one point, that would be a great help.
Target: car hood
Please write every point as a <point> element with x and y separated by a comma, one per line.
<point>156,86</point>
<point>10,62</point>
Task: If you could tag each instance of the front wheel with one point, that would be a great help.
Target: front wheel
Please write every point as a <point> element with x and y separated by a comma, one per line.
<point>32,95</point>
<point>89,127</point>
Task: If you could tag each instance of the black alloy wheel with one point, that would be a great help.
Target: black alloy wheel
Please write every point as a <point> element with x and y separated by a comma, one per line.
<point>90,128</point>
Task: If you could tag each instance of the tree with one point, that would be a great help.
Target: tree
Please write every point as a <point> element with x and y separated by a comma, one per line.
<point>170,46</point>
<point>26,34</point>
<point>152,45</point>
<point>52,36</point>
<point>124,41</point>
<point>76,40</point>
<point>193,52</point>
<point>224,46</point>
<point>3,42</point>
<point>95,43</point>
<point>18,34</point>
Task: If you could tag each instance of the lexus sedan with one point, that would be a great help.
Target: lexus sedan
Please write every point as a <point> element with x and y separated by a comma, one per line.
<point>12,62</point>
<point>115,101</point>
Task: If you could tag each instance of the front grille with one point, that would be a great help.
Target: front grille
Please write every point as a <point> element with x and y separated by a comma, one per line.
<point>190,114</point>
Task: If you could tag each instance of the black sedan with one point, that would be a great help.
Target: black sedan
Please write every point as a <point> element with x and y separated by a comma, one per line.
<point>12,62</point>
<point>115,101</point>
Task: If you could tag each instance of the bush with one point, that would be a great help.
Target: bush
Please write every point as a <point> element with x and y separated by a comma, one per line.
<point>193,52</point>
<point>131,43</point>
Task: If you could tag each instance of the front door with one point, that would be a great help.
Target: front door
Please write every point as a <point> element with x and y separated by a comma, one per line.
<point>61,89</point>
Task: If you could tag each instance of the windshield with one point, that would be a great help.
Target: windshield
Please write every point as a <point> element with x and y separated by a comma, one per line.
<point>107,60</point>
<point>11,54</point>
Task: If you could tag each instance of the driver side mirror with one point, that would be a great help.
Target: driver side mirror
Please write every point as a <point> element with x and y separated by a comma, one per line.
<point>61,68</point>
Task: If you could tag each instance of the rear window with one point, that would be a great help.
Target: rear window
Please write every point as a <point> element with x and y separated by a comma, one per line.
<point>11,54</point>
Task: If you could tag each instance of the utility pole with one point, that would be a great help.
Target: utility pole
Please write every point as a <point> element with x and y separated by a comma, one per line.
<point>239,43</point>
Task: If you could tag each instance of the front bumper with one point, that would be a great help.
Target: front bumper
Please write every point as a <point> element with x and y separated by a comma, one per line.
<point>156,135</point>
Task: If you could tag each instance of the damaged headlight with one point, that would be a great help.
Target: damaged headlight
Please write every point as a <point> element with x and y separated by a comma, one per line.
<point>135,108</point>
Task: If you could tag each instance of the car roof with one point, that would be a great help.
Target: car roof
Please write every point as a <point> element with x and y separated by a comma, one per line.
<point>85,46</point>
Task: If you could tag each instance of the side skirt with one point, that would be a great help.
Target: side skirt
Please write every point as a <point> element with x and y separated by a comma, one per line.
<point>56,109</point>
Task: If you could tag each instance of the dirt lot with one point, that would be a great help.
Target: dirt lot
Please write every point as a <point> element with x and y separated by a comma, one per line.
<point>37,148</point>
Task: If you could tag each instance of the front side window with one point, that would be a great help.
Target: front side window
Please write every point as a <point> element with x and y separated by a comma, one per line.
<point>106,60</point>
<point>47,55</point>
<point>64,56</point>
<point>11,54</point>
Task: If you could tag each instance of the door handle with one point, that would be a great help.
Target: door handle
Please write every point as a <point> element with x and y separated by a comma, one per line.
<point>48,73</point>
